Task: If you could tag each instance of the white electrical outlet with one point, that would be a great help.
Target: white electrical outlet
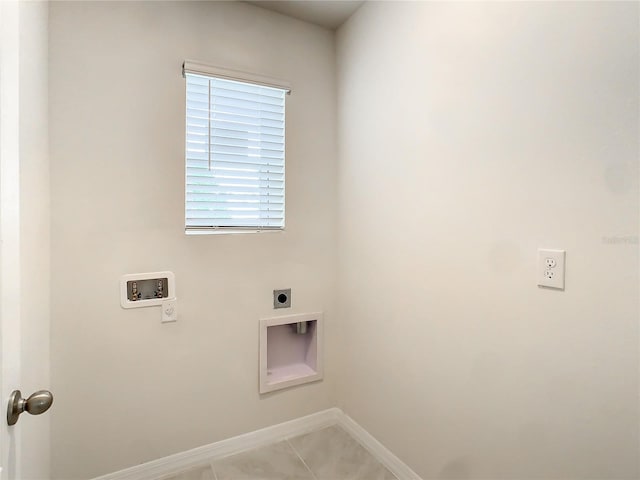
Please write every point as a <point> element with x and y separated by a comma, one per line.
<point>169,308</point>
<point>551,268</point>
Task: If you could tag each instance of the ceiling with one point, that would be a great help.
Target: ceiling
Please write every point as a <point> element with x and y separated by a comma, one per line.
<point>328,13</point>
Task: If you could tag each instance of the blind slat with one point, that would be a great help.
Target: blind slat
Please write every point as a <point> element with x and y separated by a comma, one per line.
<point>213,194</point>
<point>238,128</point>
<point>197,141</point>
<point>201,133</point>
<point>202,94</point>
<point>237,157</point>
<point>243,191</point>
<point>224,167</point>
<point>227,207</point>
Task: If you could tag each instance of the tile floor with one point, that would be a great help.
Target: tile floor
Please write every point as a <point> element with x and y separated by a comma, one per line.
<point>326,454</point>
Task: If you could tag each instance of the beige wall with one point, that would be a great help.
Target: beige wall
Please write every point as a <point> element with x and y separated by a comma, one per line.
<point>470,135</point>
<point>130,389</point>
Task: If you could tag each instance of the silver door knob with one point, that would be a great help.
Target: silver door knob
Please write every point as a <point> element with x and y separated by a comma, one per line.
<point>37,403</point>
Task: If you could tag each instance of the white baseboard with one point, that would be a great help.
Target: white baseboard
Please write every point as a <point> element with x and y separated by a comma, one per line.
<point>200,455</point>
<point>400,469</point>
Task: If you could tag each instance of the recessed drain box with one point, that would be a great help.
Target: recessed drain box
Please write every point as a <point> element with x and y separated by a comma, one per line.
<point>291,351</point>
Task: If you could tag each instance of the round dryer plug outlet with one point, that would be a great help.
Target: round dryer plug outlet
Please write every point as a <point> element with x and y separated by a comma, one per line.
<point>282,298</point>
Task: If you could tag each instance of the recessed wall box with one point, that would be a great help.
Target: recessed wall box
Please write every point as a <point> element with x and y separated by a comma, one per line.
<point>146,289</point>
<point>290,355</point>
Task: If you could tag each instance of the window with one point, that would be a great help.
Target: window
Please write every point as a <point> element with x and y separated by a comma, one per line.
<point>235,149</point>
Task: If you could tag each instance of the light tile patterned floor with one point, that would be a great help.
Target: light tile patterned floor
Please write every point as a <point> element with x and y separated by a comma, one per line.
<point>326,454</point>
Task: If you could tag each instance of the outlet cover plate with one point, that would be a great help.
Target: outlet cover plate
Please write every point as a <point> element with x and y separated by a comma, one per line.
<point>550,268</point>
<point>169,310</point>
<point>282,298</point>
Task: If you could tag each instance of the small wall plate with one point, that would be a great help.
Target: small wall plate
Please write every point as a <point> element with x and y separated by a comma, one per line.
<point>288,358</point>
<point>170,293</point>
<point>282,298</point>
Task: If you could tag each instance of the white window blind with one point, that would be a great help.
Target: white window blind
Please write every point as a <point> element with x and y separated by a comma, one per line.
<point>235,143</point>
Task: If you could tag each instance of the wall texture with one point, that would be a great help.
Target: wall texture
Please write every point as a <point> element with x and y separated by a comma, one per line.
<point>130,389</point>
<point>470,134</point>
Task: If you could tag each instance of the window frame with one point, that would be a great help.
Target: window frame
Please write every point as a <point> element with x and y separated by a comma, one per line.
<point>210,71</point>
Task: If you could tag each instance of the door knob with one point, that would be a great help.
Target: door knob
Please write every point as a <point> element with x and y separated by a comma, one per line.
<point>37,403</point>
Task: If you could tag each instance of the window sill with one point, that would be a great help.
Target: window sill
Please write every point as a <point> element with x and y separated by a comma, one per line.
<point>230,231</point>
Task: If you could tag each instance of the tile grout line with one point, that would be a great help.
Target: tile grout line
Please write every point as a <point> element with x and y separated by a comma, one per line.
<point>301,459</point>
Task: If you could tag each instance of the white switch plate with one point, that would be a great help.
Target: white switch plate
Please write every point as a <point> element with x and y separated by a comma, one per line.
<point>169,310</point>
<point>550,269</point>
